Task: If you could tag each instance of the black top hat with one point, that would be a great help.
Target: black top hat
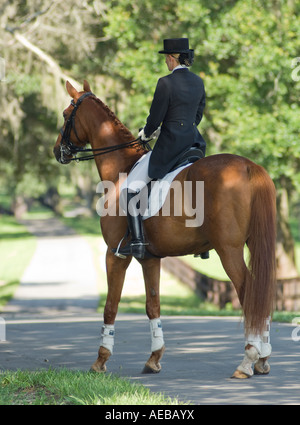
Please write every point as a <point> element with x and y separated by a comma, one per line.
<point>176,45</point>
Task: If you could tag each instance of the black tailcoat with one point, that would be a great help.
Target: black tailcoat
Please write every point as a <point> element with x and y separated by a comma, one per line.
<point>177,106</point>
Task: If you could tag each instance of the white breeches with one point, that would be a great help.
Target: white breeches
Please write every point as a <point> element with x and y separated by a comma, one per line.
<point>138,176</point>
<point>137,179</point>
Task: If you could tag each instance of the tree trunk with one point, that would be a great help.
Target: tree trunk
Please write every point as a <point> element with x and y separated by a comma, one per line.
<point>51,199</point>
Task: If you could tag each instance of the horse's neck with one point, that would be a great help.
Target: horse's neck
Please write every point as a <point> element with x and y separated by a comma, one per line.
<point>111,165</point>
<point>107,131</point>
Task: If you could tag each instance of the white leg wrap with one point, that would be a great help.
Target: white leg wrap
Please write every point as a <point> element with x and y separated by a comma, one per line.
<point>251,356</point>
<point>107,337</point>
<point>266,347</point>
<point>261,342</point>
<point>254,340</point>
<point>157,338</point>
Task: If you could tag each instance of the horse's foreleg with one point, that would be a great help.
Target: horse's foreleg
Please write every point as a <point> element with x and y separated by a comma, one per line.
<point>157,347</point>
<point>116,269</point>
<point>151,271</point>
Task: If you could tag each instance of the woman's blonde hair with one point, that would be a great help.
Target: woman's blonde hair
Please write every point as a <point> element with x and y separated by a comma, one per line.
<point>184,58</point>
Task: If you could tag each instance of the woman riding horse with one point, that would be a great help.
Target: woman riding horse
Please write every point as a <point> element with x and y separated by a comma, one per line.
<point>240,208</point>
<point>178,104</point>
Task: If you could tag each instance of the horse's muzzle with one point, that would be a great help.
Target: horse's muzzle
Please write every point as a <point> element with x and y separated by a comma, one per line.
<point>62,154</point>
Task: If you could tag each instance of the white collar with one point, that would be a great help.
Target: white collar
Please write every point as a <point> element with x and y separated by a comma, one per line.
<point>179,67</point>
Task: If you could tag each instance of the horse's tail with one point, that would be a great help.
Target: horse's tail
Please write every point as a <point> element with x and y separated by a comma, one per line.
<point>259,290</point>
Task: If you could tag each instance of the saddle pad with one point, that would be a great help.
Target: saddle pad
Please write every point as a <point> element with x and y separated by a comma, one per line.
<point>158,192</point>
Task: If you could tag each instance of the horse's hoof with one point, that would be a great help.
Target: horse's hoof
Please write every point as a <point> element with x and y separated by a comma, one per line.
<point>99,365</point>
<point>152,368</point>
<point>98,369</point>
<point>262,367</point>
<point>153,365</point>
<point>240,375</point>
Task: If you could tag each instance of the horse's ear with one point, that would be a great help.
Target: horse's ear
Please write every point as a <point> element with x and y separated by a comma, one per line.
<point>71,90</point>
<point>86,86</point>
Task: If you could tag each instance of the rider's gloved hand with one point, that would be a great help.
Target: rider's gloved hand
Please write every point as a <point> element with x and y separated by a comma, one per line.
<point>143,136</point>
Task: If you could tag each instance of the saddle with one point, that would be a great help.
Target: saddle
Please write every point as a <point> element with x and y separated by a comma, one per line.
<point>189,156</point>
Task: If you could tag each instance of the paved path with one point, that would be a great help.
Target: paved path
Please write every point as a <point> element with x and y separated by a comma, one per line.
<point>52,321</point>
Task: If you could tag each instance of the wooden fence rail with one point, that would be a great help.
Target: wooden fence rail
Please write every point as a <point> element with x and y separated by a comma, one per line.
<point>222,292</point>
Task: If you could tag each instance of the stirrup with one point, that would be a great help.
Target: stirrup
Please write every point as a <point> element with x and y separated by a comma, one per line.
<point>139,246</point>
<point>204,255</point>
<point>116,250</point>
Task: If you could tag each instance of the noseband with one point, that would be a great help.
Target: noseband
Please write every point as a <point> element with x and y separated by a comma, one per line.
<point>67,148</point>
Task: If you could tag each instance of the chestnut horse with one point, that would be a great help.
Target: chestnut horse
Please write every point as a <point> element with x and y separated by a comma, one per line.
<point>239,200</point>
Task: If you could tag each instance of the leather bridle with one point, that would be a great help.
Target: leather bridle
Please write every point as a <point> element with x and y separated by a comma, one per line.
<point>68,148</point>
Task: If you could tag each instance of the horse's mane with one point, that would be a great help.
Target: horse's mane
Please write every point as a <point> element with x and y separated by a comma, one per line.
<point>118,124</point>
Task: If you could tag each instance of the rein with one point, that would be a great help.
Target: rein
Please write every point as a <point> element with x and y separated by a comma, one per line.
<point>100,151</point>
<point>68,148</point>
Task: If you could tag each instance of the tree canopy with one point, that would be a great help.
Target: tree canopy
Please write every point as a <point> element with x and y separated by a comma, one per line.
<point>246,53</point>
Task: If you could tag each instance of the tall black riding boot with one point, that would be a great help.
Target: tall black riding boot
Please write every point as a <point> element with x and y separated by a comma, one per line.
<point>136,246</point>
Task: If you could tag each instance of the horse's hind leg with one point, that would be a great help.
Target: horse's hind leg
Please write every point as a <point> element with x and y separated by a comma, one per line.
<point>151,270</point>
<point>257,350</point>
<point>257,347</point>
<point>264,348</point>
<point>116,269</point>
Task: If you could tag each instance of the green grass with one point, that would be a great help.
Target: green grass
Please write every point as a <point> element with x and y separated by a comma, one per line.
<point>60,387</point>
<point>16,249</point>
<point>172,305</point>
<point>190,305</point>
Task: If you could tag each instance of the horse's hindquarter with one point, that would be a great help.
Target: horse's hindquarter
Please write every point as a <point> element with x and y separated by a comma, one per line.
<point>228,193</point>
<point>224,199</point>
